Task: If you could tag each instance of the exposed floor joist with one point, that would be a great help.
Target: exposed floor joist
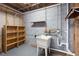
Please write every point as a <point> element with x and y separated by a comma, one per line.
<point>23,7</point>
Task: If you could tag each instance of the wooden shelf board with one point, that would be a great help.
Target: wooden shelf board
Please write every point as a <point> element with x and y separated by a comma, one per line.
<point>11,43</point>
<point>21,26</point>
<point>21,40</point>
<point>11,38</point>
<point>12,32</point>
<point>22,36</point>
<point>11,26</point>
<point>18,33</point>
<point>21,31</point>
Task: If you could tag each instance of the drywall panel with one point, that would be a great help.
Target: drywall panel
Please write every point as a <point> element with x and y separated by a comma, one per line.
<point>17,20</point>
<point>2,22</point>
<point>10,19</point>
<point>21,21</point>
<point>14,20</point>
<point>2,18</point>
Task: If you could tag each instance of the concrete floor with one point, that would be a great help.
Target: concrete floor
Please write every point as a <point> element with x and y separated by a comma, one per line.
<point>22,50</point>
<point>27,49</point>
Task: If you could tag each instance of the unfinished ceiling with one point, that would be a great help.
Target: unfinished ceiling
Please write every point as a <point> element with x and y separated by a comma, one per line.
<point>23,7</point>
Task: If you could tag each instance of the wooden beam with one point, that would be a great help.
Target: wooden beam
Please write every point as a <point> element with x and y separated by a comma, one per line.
<point>13,10</point>
<point>27,7</point>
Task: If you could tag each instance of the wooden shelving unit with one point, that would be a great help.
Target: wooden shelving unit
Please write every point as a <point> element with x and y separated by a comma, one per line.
<point>13,36</point>
<point>21,34</point>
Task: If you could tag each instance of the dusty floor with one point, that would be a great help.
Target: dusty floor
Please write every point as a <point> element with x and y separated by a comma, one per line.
<point>22,50</point>
<point>54,53</point>
<point>28,50</point>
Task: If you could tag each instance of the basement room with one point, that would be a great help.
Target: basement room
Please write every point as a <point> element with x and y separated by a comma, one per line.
<point>39,29</point>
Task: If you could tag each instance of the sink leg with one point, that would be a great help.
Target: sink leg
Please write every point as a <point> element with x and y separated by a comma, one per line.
<point>45,51</point>
<point>49,50</point>
<point>37,51</point>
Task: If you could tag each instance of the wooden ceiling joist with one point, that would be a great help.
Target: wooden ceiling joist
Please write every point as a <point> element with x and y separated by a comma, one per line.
<point>23,7</point>
<point>9,9</point>
<point>27,6</point>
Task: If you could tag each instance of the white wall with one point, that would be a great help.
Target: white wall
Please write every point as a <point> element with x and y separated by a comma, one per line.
<point>2,22</point>
<point>55,19</point>
<point>52,17</point>
<point>34,16</point>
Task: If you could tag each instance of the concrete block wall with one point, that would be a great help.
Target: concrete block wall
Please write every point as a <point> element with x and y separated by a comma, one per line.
<point>55,18</point>
<point>29,18</point>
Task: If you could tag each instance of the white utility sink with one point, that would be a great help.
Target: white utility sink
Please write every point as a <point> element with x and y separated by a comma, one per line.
<point>43,41</point>
<point>44,37</point>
